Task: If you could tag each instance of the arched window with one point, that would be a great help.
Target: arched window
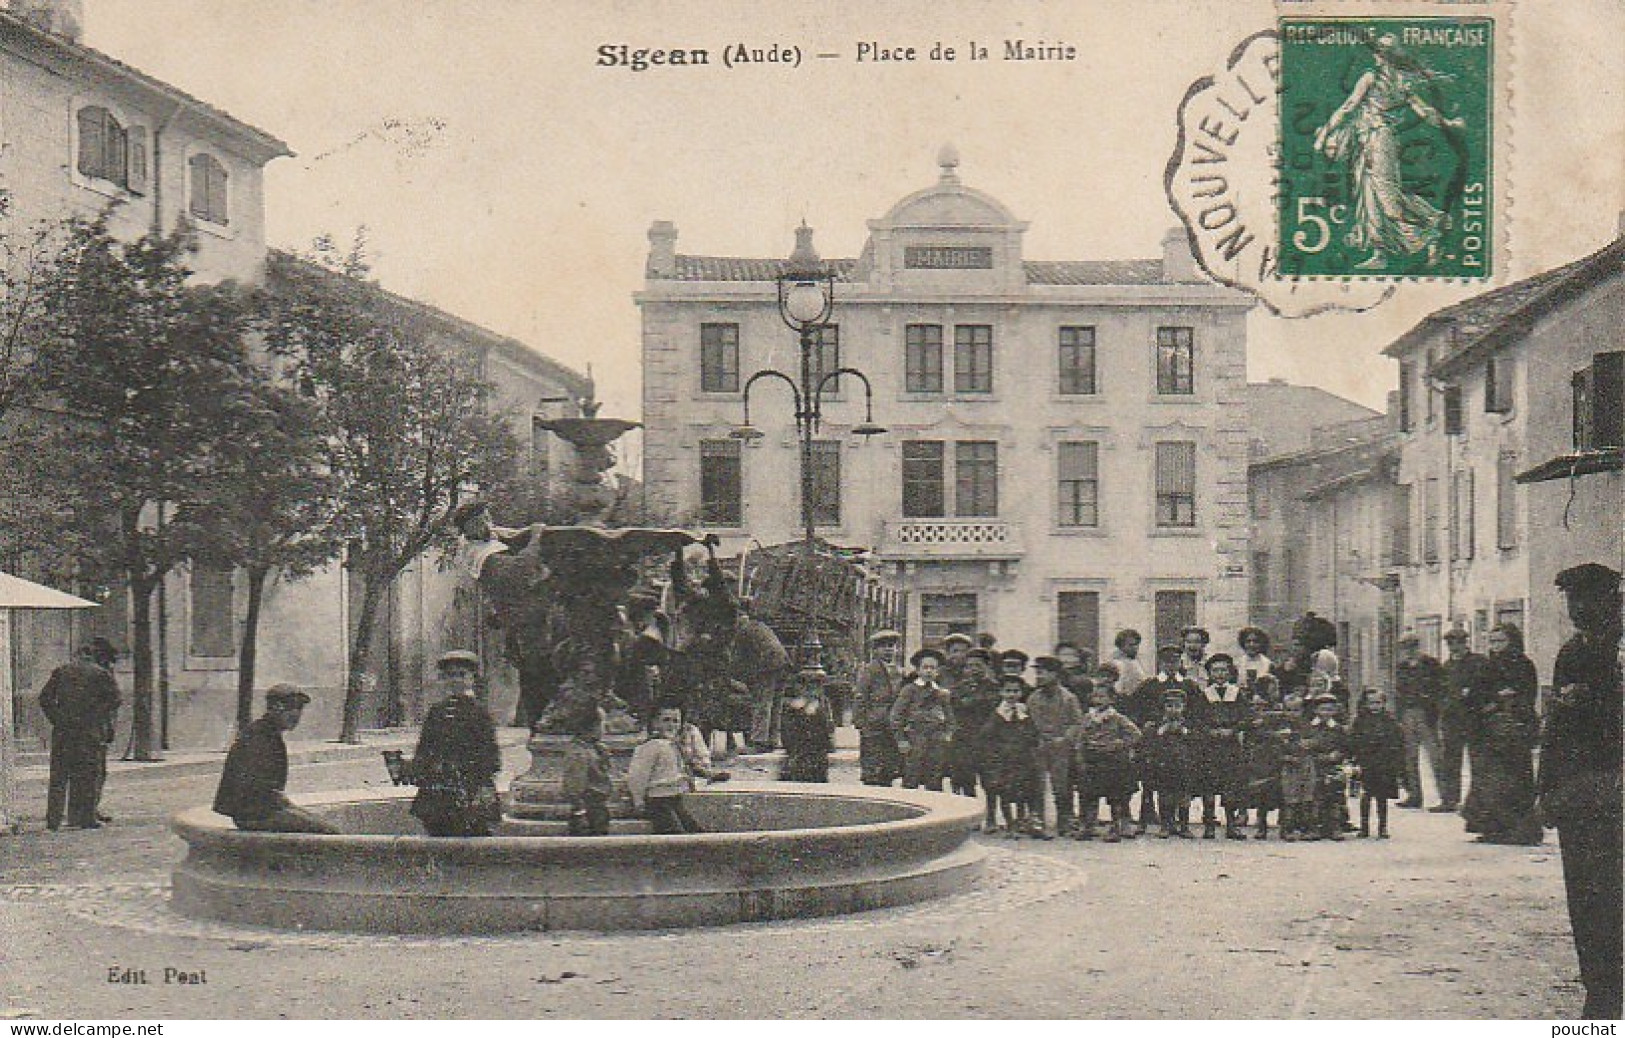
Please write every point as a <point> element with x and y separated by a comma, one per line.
<point>208,193</point>
<point>104,146</point>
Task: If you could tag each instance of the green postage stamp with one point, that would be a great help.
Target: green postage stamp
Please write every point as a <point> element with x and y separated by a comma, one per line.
<point>1385,158</point>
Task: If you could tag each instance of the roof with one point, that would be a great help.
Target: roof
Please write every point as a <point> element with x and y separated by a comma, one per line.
<point>17,593</point>
<point>265,144</point>
<point>1484,322</point>
<point>1039,272</point>
<point>1282,417</point>
<point>285,263</point>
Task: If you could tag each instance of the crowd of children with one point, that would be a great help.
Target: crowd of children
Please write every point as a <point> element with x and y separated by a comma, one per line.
<point>1245,738</point>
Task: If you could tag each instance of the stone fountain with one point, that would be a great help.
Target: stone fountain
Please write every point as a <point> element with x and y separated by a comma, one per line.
<point>776,851</point>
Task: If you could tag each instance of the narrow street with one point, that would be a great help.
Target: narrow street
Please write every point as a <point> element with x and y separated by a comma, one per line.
<point>1424,925</point>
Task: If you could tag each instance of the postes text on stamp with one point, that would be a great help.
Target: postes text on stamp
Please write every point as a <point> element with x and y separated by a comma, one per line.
<point>1385,147</point>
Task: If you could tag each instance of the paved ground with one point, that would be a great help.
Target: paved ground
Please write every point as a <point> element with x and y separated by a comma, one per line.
<point>1424,925</point>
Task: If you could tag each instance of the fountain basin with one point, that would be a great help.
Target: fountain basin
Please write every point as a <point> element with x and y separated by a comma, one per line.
<point>776,851</point>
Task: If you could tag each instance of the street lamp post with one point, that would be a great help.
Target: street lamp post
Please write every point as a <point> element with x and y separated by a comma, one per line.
<point>806,291</point>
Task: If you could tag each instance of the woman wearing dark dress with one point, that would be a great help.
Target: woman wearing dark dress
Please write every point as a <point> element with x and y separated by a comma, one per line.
<point>1501,804</point>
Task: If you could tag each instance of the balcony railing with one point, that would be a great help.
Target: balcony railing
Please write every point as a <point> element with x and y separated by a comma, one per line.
<point>949,539</point>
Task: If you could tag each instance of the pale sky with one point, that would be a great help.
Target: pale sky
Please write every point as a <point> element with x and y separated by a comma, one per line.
<point>505,178</point>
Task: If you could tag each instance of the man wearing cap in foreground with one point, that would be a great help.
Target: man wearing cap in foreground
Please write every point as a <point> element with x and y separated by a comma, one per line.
<point>251,786</point>
<point>1579,782</point>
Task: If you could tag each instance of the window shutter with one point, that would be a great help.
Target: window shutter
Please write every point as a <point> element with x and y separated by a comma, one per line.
<point>1452,411</point>
<point>92,141</point>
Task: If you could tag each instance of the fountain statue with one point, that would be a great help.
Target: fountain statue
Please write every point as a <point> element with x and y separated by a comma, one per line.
<point>592,571</point>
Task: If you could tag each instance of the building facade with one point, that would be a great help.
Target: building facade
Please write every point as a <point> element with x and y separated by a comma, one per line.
<point>1486,391</point>
<point>1067,442</point>
<point>84,134</point>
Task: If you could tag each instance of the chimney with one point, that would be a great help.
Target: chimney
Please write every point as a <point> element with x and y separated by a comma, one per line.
<point>1178,263</point>
<point>662,249</point>
<point>65,18</point>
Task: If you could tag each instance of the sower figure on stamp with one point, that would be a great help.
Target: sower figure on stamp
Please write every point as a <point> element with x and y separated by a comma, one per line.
<point>80,700</point>
<point>1580,778</point>
<point>256,773</point>
<point>1389,220</point>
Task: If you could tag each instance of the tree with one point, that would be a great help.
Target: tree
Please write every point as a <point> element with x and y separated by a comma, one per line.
<point>410,433</point>
<point>148,373</point>
<point>27,261</point>
<point>278,513</point>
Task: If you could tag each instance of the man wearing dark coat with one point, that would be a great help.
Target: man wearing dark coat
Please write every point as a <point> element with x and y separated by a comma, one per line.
<point>1462,679</point>
<point>1417,684</point>
<point>256,773</point>
<point>1580,783</point>
<point>80,699</point>
<point>457,757</point>
<point>872,697</point>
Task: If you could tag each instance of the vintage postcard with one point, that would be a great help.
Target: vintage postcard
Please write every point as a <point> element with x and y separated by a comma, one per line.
<point>710,510</point>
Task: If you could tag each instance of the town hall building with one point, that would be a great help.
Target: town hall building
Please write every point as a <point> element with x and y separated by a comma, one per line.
<point>1067,440</point>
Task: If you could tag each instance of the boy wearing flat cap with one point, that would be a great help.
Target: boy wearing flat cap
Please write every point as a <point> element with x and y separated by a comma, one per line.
<point>1058,719</point>
<point>256,773</point>
<point>1580,780</point>
<point>922,720</point>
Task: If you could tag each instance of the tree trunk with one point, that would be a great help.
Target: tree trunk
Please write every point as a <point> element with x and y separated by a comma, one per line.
<point>248,652</point>
<point>360,656</point>
<point>141,659</point>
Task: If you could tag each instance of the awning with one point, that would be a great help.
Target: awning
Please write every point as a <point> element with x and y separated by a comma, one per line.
<point>17,593</point>
<point>1585,463</point>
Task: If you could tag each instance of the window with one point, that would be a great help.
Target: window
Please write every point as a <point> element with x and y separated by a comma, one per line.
<point>1498,385</point>
<point>1176,361</point>
<point>1399,527</point>
<point>1260,492</point>
<point>1260,599</point>
<point>923,359</point>
<point>1176,484</point>
<point>942,615</point>
<point>826,482</point>
<point>1599,403</point>
<point>1510,612</point>
<point>719,358</point>
<point>721,483</point>
<point>1174,611</point>
<point>1506,502</point>
<point>1452,411</point>
<point>1461,515</point>
<point>1077,361</point>
<point>1429,631</point>
<point>976,478</point>
<point>214,627</point>
<point>1430,520</point>
<point>208,189</point>
<point>541,452</point>
<point>104,146</point>
<point>1407,382</point>
<point>826,356</point>
<point>923,494</point>
<point>1078,473</point>
<point>973,358</point>
<point>1077,619</point>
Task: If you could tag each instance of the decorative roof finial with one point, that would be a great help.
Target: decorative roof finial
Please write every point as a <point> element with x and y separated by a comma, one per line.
<point>948,159</point>
<point>804,258</point>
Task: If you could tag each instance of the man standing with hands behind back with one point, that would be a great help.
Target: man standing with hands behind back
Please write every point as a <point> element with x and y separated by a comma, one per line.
<point>1579,781</point>
<point>80,700</point>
